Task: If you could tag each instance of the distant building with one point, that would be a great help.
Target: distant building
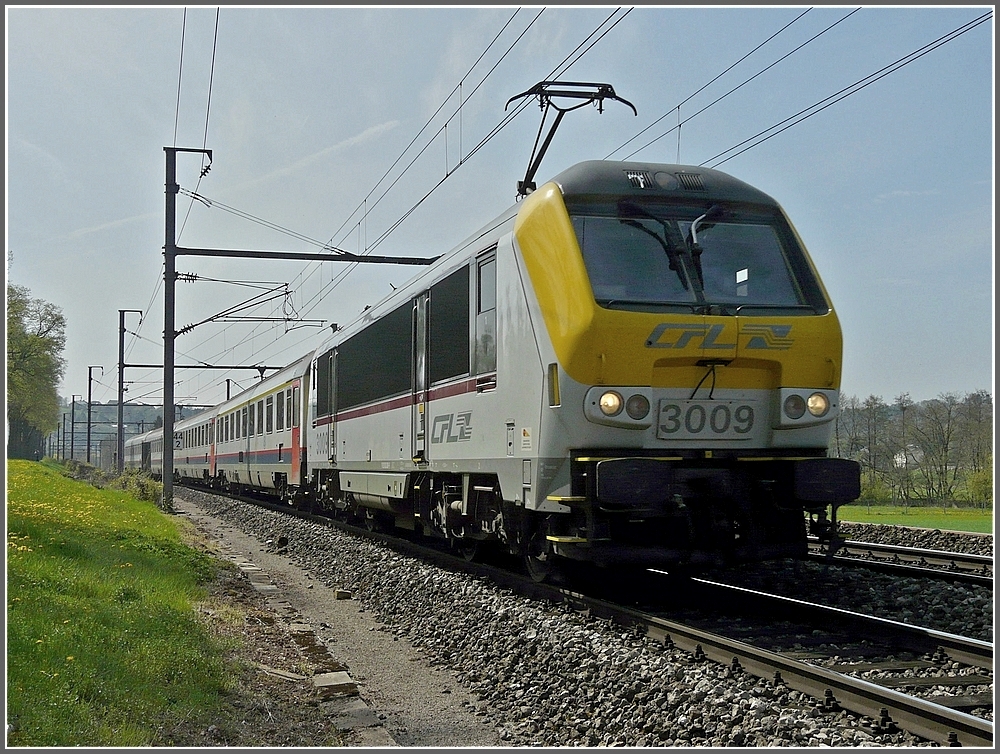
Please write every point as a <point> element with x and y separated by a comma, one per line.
<point>911,456</point>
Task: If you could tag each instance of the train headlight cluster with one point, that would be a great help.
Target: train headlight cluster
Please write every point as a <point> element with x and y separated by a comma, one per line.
<point>798,405</point>
<point>629,408</point>
<point>611,402</point>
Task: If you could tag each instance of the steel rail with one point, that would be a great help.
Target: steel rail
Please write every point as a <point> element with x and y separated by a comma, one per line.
<point>955,559</point>
<point>962,649</point>
<point>886,706</point>
<point>919,563</point>
<point>918,716</point>
<point>947,557</point>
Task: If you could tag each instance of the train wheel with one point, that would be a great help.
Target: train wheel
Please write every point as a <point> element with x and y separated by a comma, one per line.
<point>376,521</point>
<point>467,548</point>
<point>539,559</point>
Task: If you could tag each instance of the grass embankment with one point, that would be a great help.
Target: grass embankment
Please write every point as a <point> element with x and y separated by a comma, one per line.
<point>947,519</point>
<point>103,645</point>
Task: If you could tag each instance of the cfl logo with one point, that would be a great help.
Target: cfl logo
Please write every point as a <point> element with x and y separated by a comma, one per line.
<point>667,335</point>
<point>452,428</point>
<point>768,337</point>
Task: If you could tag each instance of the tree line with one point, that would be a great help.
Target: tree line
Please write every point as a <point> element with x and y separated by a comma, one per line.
<point>936,451</point>
<point>36,337</point>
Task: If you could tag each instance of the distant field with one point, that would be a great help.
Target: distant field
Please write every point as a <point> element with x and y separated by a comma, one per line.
<point>950,519</point>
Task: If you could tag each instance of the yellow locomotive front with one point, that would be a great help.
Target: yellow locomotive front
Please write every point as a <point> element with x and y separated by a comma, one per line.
<point>695,371</point>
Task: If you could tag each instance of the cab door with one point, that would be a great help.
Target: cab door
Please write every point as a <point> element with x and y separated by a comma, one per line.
<point>419,385</point>
<point>211,448</point>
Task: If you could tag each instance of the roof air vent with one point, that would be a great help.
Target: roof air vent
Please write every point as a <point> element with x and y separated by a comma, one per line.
<point>691,181</point>
<point>640,179</point>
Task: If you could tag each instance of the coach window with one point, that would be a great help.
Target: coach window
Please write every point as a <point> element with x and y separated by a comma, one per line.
<point>269,414</point>
<point>486,314</point>
<point>250,421</point>
<point>293,406</point>
<point>448,327</point>
<point>236,424</point>
<point>375,363</point>
<point>324,384</point>
<point>243,420</point>
<point>279,419</point>
<point>260,416</point>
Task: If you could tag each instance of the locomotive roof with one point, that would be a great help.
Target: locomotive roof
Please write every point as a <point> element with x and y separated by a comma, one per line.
<point>588,179</point>
<point>594,178</point>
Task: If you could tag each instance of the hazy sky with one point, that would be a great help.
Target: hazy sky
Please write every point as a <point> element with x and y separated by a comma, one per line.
<point>332,125</point>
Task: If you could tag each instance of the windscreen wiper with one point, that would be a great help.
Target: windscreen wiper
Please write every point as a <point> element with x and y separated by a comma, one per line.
<point>672,255</point>
<point>713,212</point>
<point>627,214</point>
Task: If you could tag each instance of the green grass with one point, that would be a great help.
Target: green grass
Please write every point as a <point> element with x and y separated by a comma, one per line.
<point>951,519</point>
<point>102,640</point>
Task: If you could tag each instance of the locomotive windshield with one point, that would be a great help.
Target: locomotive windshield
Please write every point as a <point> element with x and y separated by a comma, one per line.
<point>712,259</point>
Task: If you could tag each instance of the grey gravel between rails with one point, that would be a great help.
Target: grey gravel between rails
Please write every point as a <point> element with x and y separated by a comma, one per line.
<point>546,675</point>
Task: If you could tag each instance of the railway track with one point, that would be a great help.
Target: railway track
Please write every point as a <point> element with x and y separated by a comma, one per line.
<point>840,684</point>
<point>887,677</point>
<point>909,561</point>
<point>891,664</point>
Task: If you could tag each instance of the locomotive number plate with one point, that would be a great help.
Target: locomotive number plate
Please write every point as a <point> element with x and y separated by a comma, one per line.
<point>705,420</point>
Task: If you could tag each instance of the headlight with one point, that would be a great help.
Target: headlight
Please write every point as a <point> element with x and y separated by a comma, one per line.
<point>637,406</point>
<point>818,404</point>
<point>610,403</point>
<point>795,406</point>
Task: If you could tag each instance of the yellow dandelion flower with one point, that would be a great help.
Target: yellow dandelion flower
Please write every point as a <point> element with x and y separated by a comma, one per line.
<point>69,658</point>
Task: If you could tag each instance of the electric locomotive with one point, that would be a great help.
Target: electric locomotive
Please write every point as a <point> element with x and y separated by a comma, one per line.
<point>637,364</point>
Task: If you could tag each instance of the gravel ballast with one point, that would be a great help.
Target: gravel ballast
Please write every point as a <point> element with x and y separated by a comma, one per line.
<point>541,674</point>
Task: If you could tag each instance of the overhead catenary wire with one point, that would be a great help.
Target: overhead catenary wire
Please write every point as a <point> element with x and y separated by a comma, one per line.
<point>743,83</point>
<point>558,70</point>
<point>707,84</point>
<point>457,87</point>
<point>180,76</point>
<point>847,91</point>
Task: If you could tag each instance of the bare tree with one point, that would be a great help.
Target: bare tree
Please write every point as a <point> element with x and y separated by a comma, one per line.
<point>847,441</point>
<point>876,455</point>
<point>903,460</point>
<point>936,431</point>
